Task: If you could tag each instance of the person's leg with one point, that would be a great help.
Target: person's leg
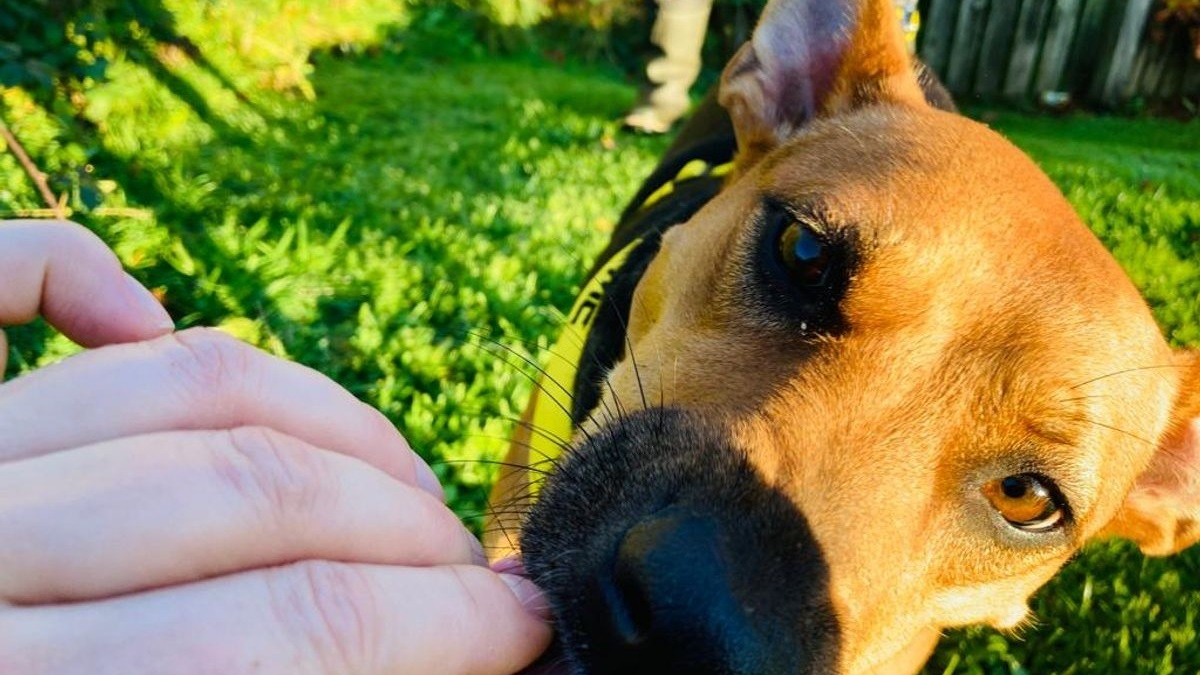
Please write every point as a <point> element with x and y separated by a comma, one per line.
<point>678,32</point>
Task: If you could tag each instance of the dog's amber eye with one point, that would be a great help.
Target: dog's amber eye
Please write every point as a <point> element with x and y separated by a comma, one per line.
<point>1027,501</point>
<point>805,257</point>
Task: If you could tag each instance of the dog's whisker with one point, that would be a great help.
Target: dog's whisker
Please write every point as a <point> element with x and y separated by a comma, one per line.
<point>1075,399</point>
<point>1130,370</point>
<point>514,505</point>
<point>557,440</point>
<point>1121,431</point>
<point>545,459</point>
<point>507,507</point>
<point>542,458</point>
<point>496,517</point>
<point>537,382</point>
<point>1184,464</point>
<point>567,331</point>
<point>581,343</point>
<point>636,371</point>
<point>527,360</point>
<point>490,462</point>
<point>629,348</point>
<point>534,344</point>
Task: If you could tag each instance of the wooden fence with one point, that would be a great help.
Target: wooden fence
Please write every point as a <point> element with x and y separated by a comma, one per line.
<point>1098,51</point>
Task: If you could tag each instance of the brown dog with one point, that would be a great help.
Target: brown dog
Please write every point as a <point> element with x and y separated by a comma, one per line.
<point>873,380</point>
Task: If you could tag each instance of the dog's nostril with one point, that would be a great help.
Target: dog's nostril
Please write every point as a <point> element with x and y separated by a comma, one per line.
<point>631,611</point>
<point>633,619</point>
<point>669,600</point>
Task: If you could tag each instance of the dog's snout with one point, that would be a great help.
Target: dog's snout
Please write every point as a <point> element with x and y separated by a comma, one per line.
<point>670,598</point>
<point>679,558</point>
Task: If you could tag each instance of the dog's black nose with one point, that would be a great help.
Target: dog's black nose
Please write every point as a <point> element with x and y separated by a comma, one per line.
<point>663,551</point>
<point>670,603</point>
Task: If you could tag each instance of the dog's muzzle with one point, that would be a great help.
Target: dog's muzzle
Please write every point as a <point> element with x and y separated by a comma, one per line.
<point>663,551</point>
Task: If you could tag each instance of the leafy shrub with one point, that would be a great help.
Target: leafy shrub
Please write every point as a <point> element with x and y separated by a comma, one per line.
<point>1182,14</point>
<point>61,56</point>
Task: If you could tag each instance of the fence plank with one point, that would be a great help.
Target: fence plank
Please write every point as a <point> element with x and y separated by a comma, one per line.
<point>1152,75</point>
<point>1057,46</point>
<point>1026,45</point>
<point>1133,25</point>
<point>1177,52</point>
<point>1172,78</point>
<point>937,35</point>
<point>996,49</point>
<point>1109,34</point>
<point>967,37</point>
<point>1139,73</point>
<point>1085,61</point>
<point>1191,79</point>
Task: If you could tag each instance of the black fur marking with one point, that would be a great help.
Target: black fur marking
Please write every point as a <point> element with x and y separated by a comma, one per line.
<point>803,311</point>
<point>605,342</point>
<point>727,578</point>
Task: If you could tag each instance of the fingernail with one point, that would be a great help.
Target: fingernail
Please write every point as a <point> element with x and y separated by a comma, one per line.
<point>149,305</point>
<point>427,480</point>
<point>529,595</point>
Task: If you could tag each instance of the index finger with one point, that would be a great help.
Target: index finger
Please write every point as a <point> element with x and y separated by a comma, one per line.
<point>66,273</point>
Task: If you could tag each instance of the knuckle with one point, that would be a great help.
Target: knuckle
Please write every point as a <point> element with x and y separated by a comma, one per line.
<point>268,469</point>
<point>208,364</point>
<point>69,240</point>
<point>331,611</point>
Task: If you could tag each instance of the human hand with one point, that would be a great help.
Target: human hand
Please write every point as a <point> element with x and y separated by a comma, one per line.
<point>187,504</point>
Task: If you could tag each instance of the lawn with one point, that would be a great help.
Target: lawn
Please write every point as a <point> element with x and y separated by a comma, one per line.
<point>412,217</point>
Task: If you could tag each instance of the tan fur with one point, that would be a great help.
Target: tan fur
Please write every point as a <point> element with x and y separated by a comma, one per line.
<point>1010,313</point>
<point>1162,510</point>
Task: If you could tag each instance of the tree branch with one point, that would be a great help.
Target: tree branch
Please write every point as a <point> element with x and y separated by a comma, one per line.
<point>38,178</point>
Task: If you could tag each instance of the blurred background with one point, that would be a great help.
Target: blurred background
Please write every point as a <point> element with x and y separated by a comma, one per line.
<point>405,195</point>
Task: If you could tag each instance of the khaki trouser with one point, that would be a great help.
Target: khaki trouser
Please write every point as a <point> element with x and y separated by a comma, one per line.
<point>678,32</point>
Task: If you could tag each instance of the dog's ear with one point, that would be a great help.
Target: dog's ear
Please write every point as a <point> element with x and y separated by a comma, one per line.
<point>814,58</point>
<point>1161,514</point>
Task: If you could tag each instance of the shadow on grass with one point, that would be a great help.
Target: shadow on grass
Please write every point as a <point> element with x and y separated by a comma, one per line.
<point>372,232</point>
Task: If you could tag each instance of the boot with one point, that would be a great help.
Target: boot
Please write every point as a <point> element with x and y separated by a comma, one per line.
<point>678,32</point>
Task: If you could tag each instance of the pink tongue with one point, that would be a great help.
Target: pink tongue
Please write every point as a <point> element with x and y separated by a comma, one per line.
<point>510,565</point>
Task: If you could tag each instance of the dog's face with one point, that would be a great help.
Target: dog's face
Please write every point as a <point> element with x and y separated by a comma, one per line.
<point>886,383</point>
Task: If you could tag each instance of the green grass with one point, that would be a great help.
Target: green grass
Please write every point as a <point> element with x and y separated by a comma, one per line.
<point>417,202</point>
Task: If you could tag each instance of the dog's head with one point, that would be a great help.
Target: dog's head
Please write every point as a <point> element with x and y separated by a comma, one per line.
<point>886,382</point>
